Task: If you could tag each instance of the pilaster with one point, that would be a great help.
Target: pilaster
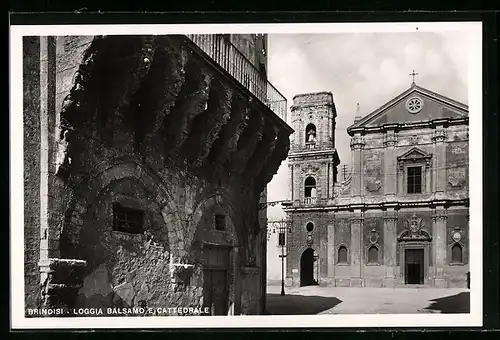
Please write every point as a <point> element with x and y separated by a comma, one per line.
<point>439,223</point>
<point>331,250</point>
<point>390,247</point>
<point>439,138</point>
<point>357,146</point>
<point>390,163</point>
<point>357,249</point>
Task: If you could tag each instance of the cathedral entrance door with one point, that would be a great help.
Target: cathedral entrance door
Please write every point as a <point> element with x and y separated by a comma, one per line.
<point>215,284</point>
<point>414,266</point>
<point>307,268</point>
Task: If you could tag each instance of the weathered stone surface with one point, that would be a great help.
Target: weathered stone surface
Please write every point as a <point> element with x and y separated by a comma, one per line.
<point>148,123</point>
<point>372,209</point>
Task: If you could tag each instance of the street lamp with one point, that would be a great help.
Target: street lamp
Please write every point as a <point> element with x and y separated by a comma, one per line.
<point>283,226</point>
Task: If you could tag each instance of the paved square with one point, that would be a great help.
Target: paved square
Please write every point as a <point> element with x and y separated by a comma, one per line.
<point>340,300</point>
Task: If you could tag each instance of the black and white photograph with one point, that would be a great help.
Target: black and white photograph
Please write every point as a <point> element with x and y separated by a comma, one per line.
<point>256,175</point>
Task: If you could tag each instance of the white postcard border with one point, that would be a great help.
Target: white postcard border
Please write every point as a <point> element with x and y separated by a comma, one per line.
<point>471,30</point>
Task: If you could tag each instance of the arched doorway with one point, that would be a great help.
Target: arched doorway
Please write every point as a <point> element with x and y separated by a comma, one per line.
<point>307,268</point>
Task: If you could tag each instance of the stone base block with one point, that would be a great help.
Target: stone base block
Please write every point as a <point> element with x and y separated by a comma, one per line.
<point>389,282</point>
<point>61,280</point>
<point>440,283</point>
<point>373,282</point>
<point>342,282</point>
<point>356,282</point>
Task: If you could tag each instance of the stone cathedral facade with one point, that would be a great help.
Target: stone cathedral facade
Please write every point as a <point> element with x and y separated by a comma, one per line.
<point>401,217</point>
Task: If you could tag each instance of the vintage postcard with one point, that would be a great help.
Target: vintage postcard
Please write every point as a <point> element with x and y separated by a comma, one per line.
<point>257,175</point>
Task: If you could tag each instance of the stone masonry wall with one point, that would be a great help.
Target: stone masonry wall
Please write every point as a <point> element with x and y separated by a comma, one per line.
<point>125,270</point>
<point>31,88</point>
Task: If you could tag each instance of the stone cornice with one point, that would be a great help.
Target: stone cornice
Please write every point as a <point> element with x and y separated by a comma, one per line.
<point>322,153</point>
<point>445,122</point>
<point>329,206</point>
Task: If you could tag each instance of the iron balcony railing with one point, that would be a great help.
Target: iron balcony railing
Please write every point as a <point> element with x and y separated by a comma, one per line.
<point>223,52</point>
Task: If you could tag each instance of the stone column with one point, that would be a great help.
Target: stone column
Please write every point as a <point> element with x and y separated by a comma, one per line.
<point>439,162</point>
<point>439,221</point>
<point>356,251</point>
<point>390,164</point>
<point>290,172</point>
<point>357,144</point>
<point>390,247</point>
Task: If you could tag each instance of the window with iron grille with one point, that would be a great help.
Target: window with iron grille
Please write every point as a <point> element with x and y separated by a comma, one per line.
<point>220,222</point>
<point>415,180</point>
<point>127,220</point>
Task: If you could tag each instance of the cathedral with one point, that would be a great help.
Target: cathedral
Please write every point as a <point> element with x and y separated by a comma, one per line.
<point>401,216</point>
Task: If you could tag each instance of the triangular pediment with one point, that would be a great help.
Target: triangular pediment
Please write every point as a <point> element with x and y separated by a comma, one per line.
<point>416,104</point>
<point>414,154</point>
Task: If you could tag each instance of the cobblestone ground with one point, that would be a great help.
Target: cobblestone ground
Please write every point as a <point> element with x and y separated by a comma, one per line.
<point>339,300</point>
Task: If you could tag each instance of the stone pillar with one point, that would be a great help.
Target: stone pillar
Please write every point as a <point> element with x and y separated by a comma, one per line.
<point>331,182</point>
<point>390,247</point>
<point>439,221</point>
<point>61,281</point>
<point>237,280</point>
<point>357,144</point>
<point>439,162</point>
<point>46,105</point>
<point>331,250</point>
<point>290,171</point>
<point>356,249</point>
<point>390,164</point>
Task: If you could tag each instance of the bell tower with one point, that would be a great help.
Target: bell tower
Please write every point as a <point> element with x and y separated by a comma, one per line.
<point>313,159</point>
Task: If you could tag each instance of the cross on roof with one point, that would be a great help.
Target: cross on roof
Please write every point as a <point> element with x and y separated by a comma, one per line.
<point>413,74</point>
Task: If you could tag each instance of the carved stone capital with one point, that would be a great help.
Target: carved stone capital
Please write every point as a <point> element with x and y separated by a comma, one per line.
<point>357,220</point>
<point>357,142</point>
<point>390,219</point>
<point>439,135</point>
<point>439,216</point>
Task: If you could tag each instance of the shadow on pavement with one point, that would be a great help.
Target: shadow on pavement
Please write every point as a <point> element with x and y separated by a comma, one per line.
<point>459,303</point>
<point>299,304</point>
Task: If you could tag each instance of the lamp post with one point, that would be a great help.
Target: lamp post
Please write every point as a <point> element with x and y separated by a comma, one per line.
<point>283,226</point>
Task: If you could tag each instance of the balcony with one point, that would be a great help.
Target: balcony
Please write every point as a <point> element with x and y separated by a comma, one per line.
<point>224,53</point>
<point>309,200</point>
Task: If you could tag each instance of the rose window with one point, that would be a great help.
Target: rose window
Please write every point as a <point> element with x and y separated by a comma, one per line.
<point>414,105</point>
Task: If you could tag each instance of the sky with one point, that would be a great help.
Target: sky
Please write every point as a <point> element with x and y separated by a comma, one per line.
<point>365,68</point>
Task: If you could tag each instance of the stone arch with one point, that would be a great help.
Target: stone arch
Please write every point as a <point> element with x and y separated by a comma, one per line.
<point>310,133</point>
<point>210,199</point>
<point>214,202</point>
<point>307,265</point>
<point>105,175</point>
<point>310,186</point>
<point>373,254</point>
